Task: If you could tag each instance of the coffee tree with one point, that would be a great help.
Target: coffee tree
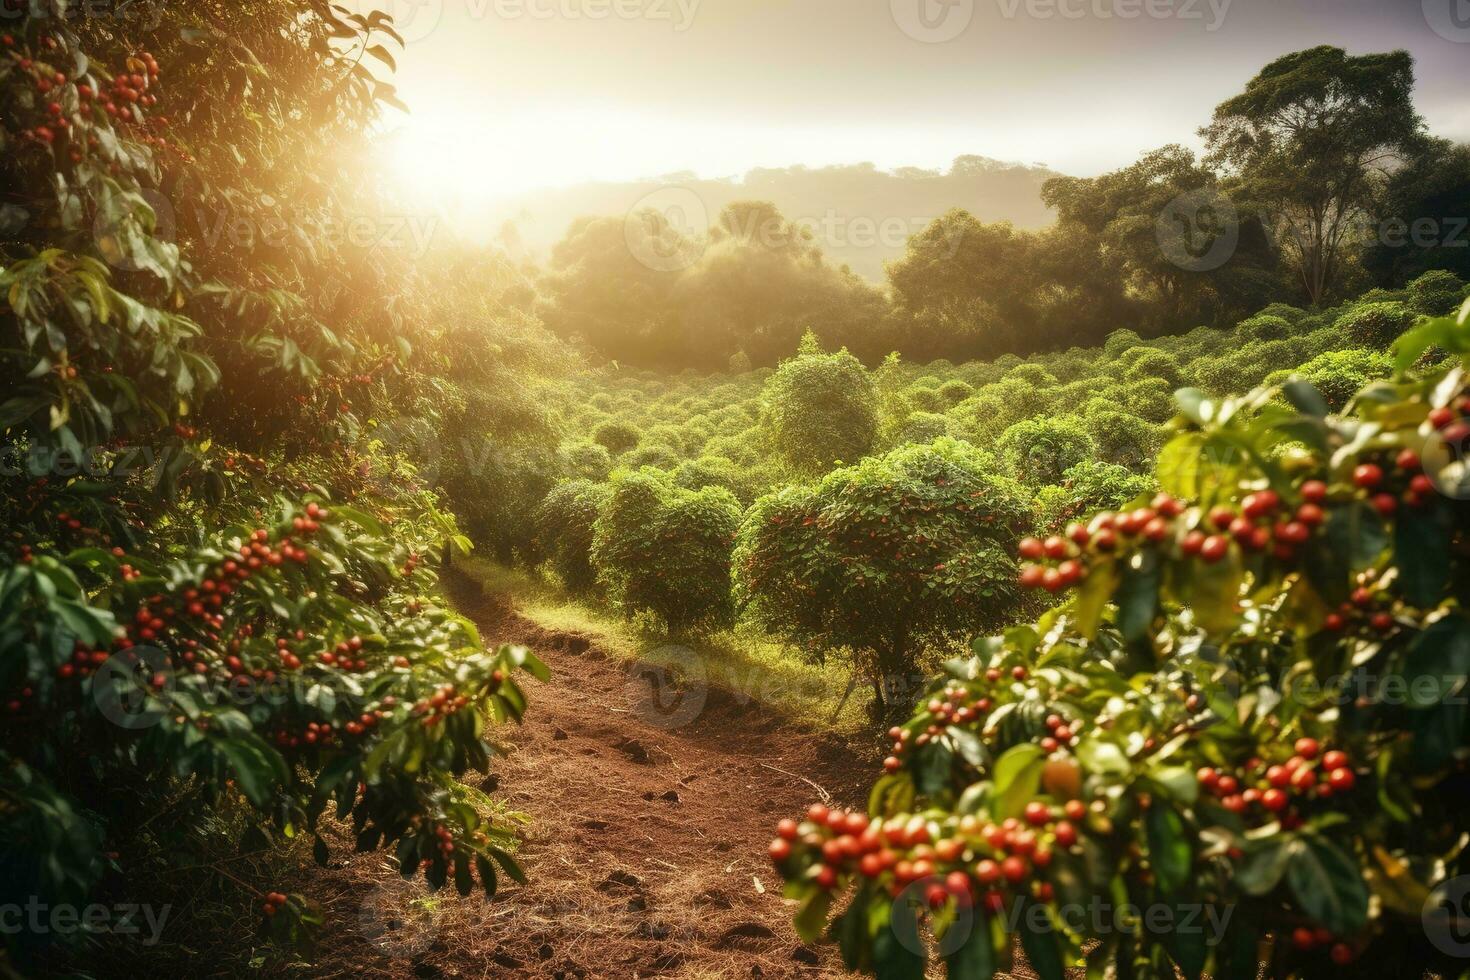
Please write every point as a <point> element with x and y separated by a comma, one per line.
<point>1241,738</point>
<point>882,557</point>
<point>213,592</point>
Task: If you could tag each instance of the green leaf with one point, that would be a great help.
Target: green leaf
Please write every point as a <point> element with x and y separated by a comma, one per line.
<point>811,920</point>
<point>975,960</point>
<point>1438,662</point>
<point>1168,848</point>
<point>1305,398</point>
<point>1421,550</point>
<point>1017,778</point>
<point>892,960</point>
<point>1327,885</point>
<point>1041,945</point>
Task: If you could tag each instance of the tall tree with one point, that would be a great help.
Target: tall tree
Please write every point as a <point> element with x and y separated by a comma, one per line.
<point>1308,143</point>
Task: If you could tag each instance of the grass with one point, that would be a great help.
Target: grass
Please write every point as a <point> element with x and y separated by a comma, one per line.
<point>739,661</point>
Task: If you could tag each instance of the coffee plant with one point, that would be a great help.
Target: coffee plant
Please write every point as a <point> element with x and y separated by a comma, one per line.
<point>1248,711</point>
<point>214,589</point>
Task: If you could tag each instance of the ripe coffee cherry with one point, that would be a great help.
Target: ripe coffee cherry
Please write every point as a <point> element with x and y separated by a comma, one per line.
<point>1385,504</point>
<point>987,872</point>
<point>1407,459</point>
<point>1214,548</point>
<point>1221,516</point>
<point>1342,779</point>
<point>1079,534</point>
<point>1014,869</point>
<point>1037,814</point>
<point>1260,504</point>
<point>1031,548</point>
<point>1368,475</point>
<point>1075,810</point>
<point>1274,800</point>
<point>1441,417</point>
<point>1342,954</point>
<point>1031,576</point>
<point>1055,547</point>
<point>1106,539</point>
<point>1227,785</point>
<point>1307,748</point>
<point>780,849</point>
<point>1314,491</point>
<point>1066,834</point>
<point>1302,938</point>
<point>1334,760</point>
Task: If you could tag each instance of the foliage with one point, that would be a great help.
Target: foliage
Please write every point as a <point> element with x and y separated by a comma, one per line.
<point>883,557</point>
<point>821,408</point>
<point>213,596</point>
<point>1085,488</point>
<point>1247,700</point>
<point>565,522</point>
<point>1375,324</point>
<point>661,548</point>
<point>1038,450</point>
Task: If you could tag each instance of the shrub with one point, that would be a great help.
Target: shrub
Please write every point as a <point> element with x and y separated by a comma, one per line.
<point>1038,450</point>
<point>616,437</point>
<point>662,549</point>
<point>821,408</point>
<point>1201,724</point>
<point>1147,363</point>
<point>1086,488</point>
<point>658,457</point>
<point>583,460</point>
<point>1339,374</point>
<point>1149,398</point>
<point>953,392</point>
<point>1262,326</point>
<point>564,524</point>
<point>744,482</point>
<point>922,427</point>
<point>1291,314</point>
<point>1436,293</point>
<point>1375,324</point>
<point>1119,341</point>
<point>1121,438</point>
<point>884,557</point>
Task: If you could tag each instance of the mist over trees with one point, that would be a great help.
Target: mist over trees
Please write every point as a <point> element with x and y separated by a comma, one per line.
<point>1319,182</point>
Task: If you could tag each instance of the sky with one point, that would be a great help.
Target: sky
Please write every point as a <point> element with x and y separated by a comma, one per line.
<point>511,95</point>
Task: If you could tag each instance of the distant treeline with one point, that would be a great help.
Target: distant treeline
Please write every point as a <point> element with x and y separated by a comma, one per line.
<point>1319,181</point>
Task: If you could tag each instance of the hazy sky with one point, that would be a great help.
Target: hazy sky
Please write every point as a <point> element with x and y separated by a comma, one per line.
<point>513,94</point>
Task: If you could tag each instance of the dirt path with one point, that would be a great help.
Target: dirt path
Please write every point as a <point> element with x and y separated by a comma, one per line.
<point>645,846</point>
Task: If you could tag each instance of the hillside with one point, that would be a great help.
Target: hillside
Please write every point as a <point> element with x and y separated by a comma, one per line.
<point>862,216</point>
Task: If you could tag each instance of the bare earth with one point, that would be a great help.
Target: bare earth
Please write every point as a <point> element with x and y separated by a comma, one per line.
<point>645,846</point>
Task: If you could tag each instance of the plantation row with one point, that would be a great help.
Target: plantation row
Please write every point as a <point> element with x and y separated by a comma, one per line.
<point>699,500</point>
<point>1240,739</point>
